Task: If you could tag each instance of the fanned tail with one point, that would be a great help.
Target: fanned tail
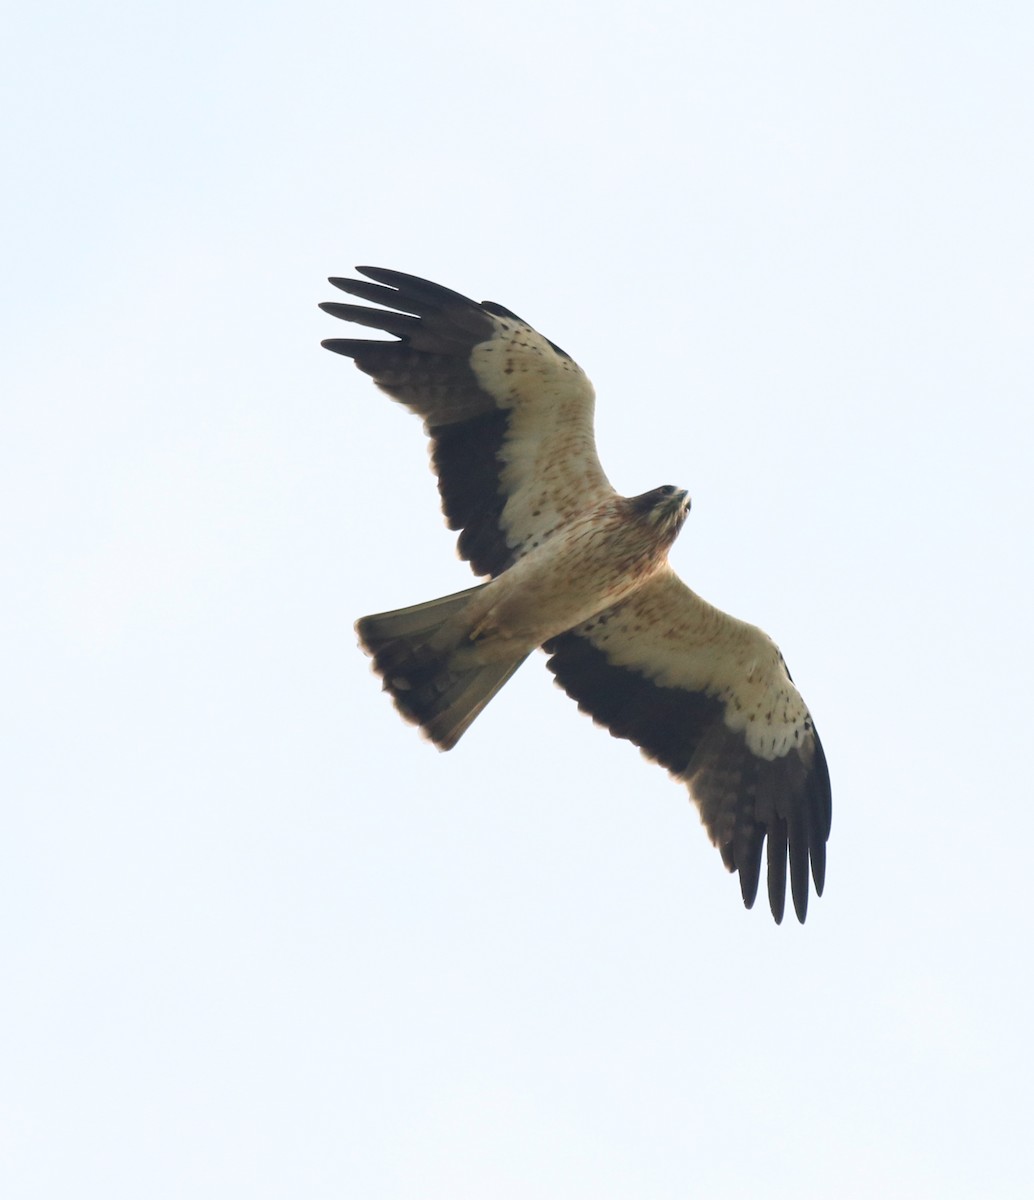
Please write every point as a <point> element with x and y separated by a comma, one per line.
<point>415,651</point>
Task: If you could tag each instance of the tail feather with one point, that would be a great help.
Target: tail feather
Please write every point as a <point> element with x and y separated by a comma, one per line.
<point>415,652</point>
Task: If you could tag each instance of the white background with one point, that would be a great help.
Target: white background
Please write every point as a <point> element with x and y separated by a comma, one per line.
<point>257,938</point>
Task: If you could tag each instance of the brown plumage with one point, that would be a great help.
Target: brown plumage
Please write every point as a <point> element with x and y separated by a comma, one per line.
<point>582,572</point>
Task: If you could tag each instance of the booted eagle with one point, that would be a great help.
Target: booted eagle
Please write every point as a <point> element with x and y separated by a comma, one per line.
<point>582,572</point>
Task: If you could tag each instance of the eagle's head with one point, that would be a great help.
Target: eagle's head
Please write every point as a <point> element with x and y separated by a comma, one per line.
<point>664,508</point>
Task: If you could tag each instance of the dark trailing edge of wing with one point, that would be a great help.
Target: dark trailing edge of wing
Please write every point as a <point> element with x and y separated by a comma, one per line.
<point>465,457</point>
<point>428,369</point>
<point>743,799</point>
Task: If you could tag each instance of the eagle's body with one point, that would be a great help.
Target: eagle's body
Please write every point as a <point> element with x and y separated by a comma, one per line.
<point>583,572</point>
<point>596,560</point>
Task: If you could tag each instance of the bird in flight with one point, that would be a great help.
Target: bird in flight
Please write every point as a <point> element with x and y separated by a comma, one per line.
<point>582,572</point>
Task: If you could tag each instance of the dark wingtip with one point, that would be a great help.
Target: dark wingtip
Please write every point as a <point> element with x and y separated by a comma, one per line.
<point>749,869</point>
<point>391,278</point>
<point>818,866</point>
<point>798,847</point>
<point>348,347</point>
<point>777,853</point>
<point>748,889</point>
<point>800,905</point>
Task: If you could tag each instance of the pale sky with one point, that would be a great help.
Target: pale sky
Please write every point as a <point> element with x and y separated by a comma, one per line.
<point>257,937</point>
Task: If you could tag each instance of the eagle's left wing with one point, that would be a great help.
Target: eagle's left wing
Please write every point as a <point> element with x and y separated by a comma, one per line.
<point>710,698</point>
<point>509,414</point>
